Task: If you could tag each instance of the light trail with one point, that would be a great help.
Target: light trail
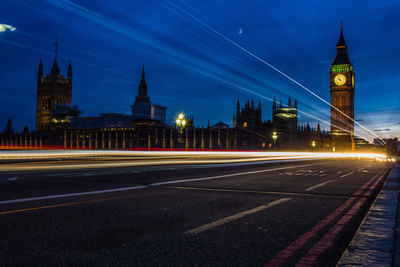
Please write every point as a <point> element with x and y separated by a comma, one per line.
<point>269,65</point>
<point>117,27</point>
<point>100,19</point>
<point>113,159</point>
<point>240,155</point>
<point>192,68</point>
<point>271,100</point>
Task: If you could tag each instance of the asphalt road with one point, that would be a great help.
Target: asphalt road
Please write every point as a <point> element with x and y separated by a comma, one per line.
<point>276,213</point>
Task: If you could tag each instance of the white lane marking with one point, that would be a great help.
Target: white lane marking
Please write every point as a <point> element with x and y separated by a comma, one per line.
<point>347,174</point>
<point>227,175</point>
<point>360,169</point>
<point>72,194</point>
<point>145,186</point>
<point>365,171</point>
<point>339,172</point>
<point>13,178</point>
<point>319,185</point>
<point>239,215</point>
<point>323,174</point>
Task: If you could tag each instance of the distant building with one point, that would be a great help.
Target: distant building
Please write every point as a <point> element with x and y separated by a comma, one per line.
<point>221,125</point>
<point>104,121</point>
<point>342,98</point>
<point>285,118</point>
<point>252,130</point>
<point>143,112</point>
<point>392,145</point>
<point>284,121</point>
<point>9,130</point>
<point>52,90</point>
<point>249,116</point>
<point>142,109</point>
<point>62,115</point>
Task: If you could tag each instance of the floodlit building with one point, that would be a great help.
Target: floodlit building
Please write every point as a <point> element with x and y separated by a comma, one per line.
<point>52,90</point>
<point>342,99</point>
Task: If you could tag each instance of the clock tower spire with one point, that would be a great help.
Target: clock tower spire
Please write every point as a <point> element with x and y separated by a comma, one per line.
<point>342,98</point>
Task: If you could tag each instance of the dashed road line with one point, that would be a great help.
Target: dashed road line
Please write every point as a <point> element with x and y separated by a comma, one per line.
<point>347,174</point>
<point>319,185</point>
<point>227,175</point>
<point>239,215</point>
<point>153,184</point>
<point>287,252</point>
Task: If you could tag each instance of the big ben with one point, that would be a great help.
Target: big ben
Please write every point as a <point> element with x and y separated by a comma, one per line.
<point>342,99</point>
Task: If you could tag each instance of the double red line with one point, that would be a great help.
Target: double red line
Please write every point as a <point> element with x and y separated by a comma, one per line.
<point>327,240</point>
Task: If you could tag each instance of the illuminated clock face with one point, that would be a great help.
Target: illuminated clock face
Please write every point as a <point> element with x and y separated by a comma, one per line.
<point>340,79</point>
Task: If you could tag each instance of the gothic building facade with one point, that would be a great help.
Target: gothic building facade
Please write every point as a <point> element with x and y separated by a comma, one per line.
<point>284,120</point>
<point>342,99</point>
<point>52,90</point>
<point>58,123</point>
<point>142,109</point>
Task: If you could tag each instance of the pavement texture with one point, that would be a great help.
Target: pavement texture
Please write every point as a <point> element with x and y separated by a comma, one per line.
<point>377,241</point>
<point>284,213</point>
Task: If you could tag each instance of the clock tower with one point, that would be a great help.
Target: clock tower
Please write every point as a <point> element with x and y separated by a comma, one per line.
<point>342,98</point>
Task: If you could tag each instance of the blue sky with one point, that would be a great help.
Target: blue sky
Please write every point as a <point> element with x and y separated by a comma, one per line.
<point>190,68</point>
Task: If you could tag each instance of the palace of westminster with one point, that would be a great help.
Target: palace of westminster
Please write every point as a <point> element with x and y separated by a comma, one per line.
<point>59,124</point>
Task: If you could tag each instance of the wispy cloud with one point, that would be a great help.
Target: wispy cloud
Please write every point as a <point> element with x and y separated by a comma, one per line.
<point>382,130</point>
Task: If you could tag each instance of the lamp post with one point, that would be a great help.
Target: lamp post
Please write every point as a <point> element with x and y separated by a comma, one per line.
<point>180,123</point>
<point>274,137</point>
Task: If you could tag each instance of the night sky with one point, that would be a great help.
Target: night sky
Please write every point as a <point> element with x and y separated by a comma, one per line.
<point>190,68</point>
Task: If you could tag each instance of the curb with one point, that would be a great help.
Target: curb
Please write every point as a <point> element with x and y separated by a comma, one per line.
<point>375,242</point>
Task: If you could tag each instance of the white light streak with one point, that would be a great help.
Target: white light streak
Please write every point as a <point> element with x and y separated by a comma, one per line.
<point>268,64</point>
<point>203,155</point>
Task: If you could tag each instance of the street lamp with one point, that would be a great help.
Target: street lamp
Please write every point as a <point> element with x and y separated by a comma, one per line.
<point>274,137</point>
<point>180,123</point>
<point>313,144</point>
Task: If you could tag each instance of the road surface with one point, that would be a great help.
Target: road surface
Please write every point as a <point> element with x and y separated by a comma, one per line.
<point>283,212</point>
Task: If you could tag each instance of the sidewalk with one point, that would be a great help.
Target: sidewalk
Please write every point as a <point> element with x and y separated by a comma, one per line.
<point>377,241</point>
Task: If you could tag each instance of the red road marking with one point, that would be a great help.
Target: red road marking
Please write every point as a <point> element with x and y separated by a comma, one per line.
<point>287,252</point>
<point>372,187</point>
<point>328,239</point>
